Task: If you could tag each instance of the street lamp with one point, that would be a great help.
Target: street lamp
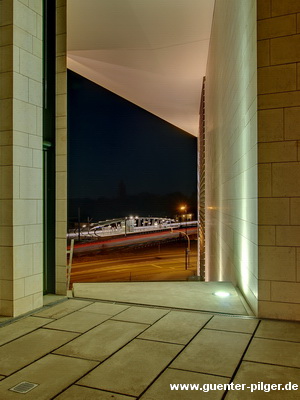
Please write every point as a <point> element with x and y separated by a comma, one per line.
<point>184,208</point>
<point>187,250</point>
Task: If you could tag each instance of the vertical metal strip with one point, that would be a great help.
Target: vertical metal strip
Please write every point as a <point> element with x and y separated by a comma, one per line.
<point>201,187</point>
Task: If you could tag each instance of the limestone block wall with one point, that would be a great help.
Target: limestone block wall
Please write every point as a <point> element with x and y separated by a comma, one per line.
<point>278,34</point>
<point>231,148</point>
<point>21,237</point>
<point>61,147</point>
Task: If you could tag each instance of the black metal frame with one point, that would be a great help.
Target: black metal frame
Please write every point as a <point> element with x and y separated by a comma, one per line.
<point>49,57</point>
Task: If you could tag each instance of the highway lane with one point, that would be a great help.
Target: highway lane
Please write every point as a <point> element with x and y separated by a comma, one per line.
<point>166,263</point>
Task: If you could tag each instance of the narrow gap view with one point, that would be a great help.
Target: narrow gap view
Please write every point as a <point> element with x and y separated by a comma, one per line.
<point>132,190</point>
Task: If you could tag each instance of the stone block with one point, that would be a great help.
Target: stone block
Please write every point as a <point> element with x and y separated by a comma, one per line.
<point>22,39</point>
<point>278,151</point>
<point>36,6</point>
<point>273,211</point>
<point>285,49</point>
<point>33,284</point>
<point>31,183</point>
<point>284,179</point>
<point>6,35</point>
<point>37,47</point>
<point>281,7</point>
<point>295,211</point>
<point>285,292</point>
<point>266,235</point>
<point>288,236</point>
<point>33,234</point>
<point>23,257</point>
<point>5,212</point>
<point>22,156</point>
<point>264,290</point>
<point>276,27</point>
<point>279,100</point>
<point>24,117</point>
<point>276,79</point>
<point>277,263</point>
<point>263,53</point>
<point>35,93</point>
<point>31,65</point>
<point>6,115</point>
<point>6,182</point>
<point>6,85</point>
<point>20,87</point>
<point>25,212</point>
<point>25,18</point>
<point>264,180</point>
<point>292,123</point>
<point>263,9</point>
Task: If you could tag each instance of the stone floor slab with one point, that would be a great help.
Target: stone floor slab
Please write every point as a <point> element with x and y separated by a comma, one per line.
<point>187,295</point>
<point>281,330</point>
<point>161,387</point>
<point>23,351</point>
<point>232,324</point>
<point>20,328</point>
<point>252,373</point>
<point>176,327</point>
<point>62,309</point>
<point>143,315</point>
<point>105,308</point>
<point>133,368</point>
<point>213,352</point>
<point>52,373</point>
<point>102,341</point>
<point>275,352</point>
<point>78,322</point>
<point>76,392</point>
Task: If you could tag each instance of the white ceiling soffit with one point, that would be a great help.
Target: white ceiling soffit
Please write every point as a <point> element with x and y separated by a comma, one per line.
<point>150,52</point>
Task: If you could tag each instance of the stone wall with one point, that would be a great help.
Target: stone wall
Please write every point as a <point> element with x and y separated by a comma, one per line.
<point>278,34</point>
<point>21,237</point>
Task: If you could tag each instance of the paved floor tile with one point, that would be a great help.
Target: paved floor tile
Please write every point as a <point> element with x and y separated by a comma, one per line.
<point>62,309</point>
<point>143,315</point>
<point>161,390</point>
<point>102,341</point>
<point>253,373</point>
<point>28,348</point>
<point>274,352</point>
<point>176,327</point>
<point>232,324</point>
<point>282,330</point>
<point>188,295</point>
<point>76,392</point>
<point>213,352</point>
<point>78,322</point>
<point>133,368</point>
<point>20,328</point>
<point>52,373</point>
<point>105,308</point>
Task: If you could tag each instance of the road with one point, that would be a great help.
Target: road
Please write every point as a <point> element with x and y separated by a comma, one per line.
<point>159,263</point>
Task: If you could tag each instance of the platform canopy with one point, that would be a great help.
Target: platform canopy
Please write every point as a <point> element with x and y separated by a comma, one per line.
<point>150,52</point>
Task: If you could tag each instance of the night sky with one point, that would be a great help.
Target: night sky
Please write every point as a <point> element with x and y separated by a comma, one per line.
<point>117,150</point>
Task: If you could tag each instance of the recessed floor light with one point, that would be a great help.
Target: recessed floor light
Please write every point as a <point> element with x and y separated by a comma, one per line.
<point>24,387</point>
<point>222,294</point>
